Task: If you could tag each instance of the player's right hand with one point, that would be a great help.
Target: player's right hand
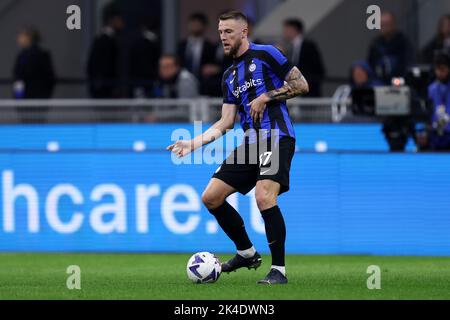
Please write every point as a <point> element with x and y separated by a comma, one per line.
<point>180,148</point>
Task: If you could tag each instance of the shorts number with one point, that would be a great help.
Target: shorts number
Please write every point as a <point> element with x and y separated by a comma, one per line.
<point>267,156</point>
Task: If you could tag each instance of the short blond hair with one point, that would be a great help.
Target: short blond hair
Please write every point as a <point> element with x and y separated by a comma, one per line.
<point>235,15</point>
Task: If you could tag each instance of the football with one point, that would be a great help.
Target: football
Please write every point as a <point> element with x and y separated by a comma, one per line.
<point>203,267</point>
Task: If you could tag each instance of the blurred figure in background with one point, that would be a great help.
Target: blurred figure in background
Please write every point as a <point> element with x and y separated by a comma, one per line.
<point>304,54</point>
<point>33,73</point>
<point>362,76</point>
<point>102,68</point>
<point>251,38</point>
<point>144,56</point>
<point>441,42</point>
<point>174,81</point>
<point>436,135</point>
<point>396,129</point>
<point>390,53</point>
<point>197,53</point>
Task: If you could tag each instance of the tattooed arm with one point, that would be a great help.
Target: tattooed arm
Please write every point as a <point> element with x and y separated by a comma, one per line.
<point>295,85</point>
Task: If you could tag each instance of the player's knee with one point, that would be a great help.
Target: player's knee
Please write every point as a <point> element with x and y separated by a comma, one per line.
<point>264,200</point>
<point>210,200</point>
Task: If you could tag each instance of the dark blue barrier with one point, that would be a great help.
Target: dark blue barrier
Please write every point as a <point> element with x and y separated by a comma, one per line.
<point>119,200</point>
<point>343,137</point>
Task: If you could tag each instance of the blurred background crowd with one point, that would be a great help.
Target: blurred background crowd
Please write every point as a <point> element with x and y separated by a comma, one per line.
<point>197,65</point>
<point>145,54</point>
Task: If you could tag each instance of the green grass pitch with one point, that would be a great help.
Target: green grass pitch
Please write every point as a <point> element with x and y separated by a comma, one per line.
<point>163,276</point>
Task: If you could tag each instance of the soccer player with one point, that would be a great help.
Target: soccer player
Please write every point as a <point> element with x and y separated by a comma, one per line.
<point>256,85</point>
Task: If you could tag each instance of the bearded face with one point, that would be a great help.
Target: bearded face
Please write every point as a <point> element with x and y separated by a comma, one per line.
<point>234,48</point>
<point>232,32</point>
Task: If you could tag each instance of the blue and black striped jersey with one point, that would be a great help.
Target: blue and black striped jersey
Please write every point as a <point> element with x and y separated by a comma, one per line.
<point>262,68</point>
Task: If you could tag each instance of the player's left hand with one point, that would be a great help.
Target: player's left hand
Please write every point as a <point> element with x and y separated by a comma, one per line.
<point>257,107</point>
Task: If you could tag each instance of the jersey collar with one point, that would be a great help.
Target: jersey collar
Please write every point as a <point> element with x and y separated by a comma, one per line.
<point>244,55</point>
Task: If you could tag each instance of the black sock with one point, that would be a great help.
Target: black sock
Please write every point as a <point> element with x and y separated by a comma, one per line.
<point>231,222</point>
<point>275,233</point>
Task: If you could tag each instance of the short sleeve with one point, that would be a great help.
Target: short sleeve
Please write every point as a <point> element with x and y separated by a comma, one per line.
<point>228,96</point>
<point>278,62</point>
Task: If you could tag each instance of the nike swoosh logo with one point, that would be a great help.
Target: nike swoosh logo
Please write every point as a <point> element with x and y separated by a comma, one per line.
<point>231,82</point>
<point>264,172</point>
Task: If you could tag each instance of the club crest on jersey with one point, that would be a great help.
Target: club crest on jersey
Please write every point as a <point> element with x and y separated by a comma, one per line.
<point>252,67</point>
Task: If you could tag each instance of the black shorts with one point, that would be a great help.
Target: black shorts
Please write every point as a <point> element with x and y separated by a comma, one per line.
<point>250,163</point>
